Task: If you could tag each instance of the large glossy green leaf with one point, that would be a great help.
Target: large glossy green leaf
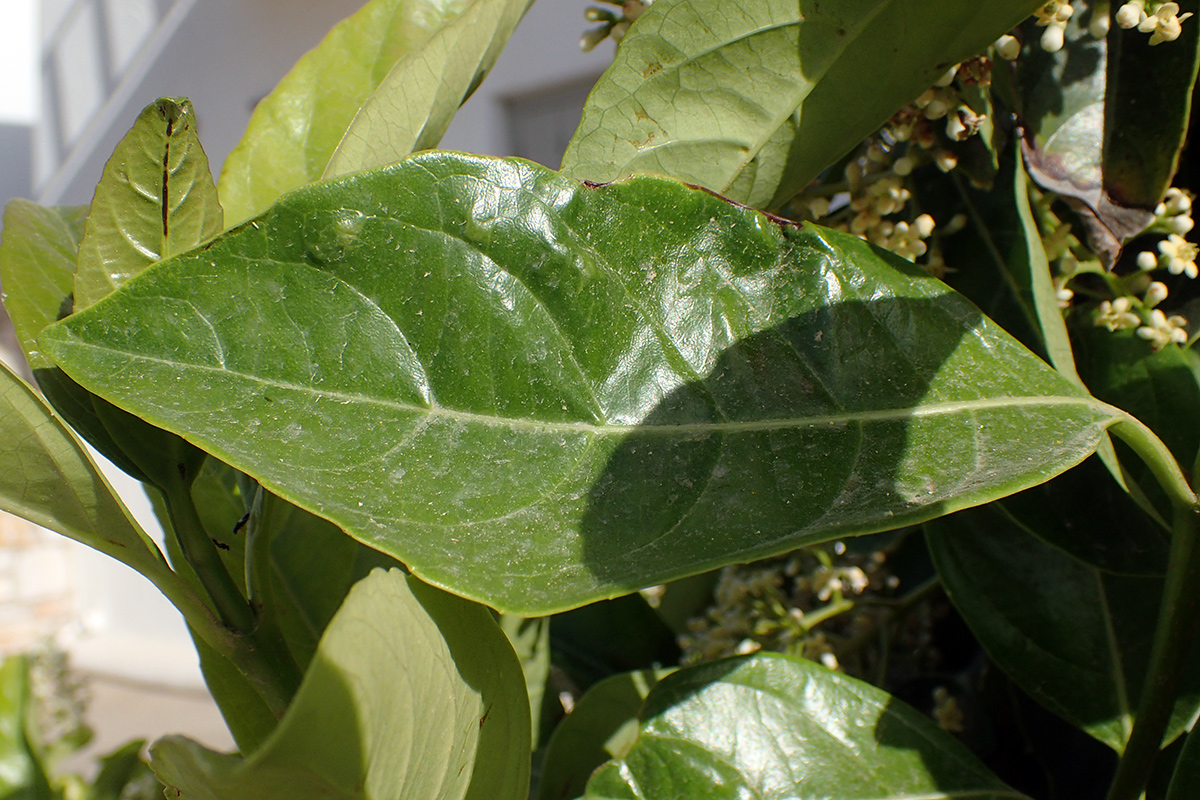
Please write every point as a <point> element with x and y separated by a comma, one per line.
<point>1076,638</point>
<point>413,693</point>
<point>753,99</point>
<point>47,477</point>
<point>538,393</point>
<point>38,250</point>
<point>770,726</point>
<point>414,104</point>
<point>155,199</point>
<point>400,48</point>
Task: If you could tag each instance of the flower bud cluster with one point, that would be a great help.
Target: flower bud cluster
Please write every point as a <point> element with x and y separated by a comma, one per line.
<point>1053,16</point>
<point>1161,20</point>
<point>1177,256</point>
<point>808,603</point>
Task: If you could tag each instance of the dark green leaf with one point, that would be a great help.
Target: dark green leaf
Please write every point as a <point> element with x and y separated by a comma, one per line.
<point>1162,388</point>
<point>539,394</point>
<point>1186,779</point>
<point>155,199</point>
<point>1075,638</point>
<point>1147,104</point>
<point>750,99</point>
<point>396,56</point>
<point>609,637</point>
<point>602,726</point>
<point>770,726</point>
<point>412,693</point>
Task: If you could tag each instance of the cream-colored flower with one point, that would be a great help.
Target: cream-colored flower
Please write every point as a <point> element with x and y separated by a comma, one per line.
<point>1129,15</point>
<point>1178,255</point>
<point>1162,330</point>
<point>1117,315</point>
<point>1164,24</point>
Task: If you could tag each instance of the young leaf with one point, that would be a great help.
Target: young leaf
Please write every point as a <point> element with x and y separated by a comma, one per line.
<point>156,198</point>
<point>540,394</point>
<point>398,57</point>
<point>412,693</point>
<point>1187,771</point>
<point>773,727</point>
<point>750,99</point>
<point>414,104</point>
<point>48,478</point>
<point>1075,638</point>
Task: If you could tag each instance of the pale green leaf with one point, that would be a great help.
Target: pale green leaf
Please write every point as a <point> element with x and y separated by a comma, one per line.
<point>414,104</point>
<point>753,100</point>
<point>38,250</point>
<point>47,477</point>
<point>403,49</point>
<point>155,199</point>
<point>412,693</point>
<point>538,394</point>
<point>777,728</point>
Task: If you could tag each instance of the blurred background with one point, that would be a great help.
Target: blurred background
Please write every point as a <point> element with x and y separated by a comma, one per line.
<point>73,76</point>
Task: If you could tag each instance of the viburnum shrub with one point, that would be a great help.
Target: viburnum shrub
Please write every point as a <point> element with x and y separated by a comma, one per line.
<point>823,428</point>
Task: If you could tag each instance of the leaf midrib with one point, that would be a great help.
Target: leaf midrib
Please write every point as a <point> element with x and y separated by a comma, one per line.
<point>516,423</point>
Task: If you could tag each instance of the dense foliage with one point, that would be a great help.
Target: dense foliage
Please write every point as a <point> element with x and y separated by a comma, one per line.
<point>822,429</point>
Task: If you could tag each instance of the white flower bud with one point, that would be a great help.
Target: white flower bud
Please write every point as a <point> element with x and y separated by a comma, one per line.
<point>589,40</point>
<point>904,166</point>
<point>1181,224</point>
<point>1146,260</point>
<point>1053,38</point>
<point>1007,47</point>
<point>1155,294</point>
<point>924,225</point>
<point>946,160</point>
<point>1130,14</point>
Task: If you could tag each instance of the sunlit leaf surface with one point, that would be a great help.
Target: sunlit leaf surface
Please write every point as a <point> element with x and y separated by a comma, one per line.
<point>538,393</point>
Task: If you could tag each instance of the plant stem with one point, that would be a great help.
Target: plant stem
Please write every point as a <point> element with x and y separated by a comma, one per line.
<point>201,554</point>
<point>1178,618</point>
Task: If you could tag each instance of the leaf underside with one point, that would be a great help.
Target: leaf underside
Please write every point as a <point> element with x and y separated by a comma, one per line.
<point>538,394</point>
<point>750,99</point>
